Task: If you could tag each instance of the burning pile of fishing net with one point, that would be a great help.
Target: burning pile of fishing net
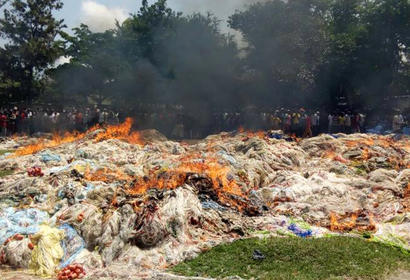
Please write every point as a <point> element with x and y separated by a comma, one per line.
<point>115,204</point>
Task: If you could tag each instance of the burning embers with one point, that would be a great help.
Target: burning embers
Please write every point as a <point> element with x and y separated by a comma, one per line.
<point>210,178</point>
<point>375,152</point>
<point>121,132</point>
<point>359,220</point>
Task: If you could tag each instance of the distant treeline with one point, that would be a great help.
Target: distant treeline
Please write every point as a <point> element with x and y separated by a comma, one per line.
<point>292,53</point>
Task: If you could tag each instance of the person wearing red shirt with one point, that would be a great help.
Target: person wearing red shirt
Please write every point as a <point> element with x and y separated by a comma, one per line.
<point>3,124</point>
<point>78,121</point>
<point>22,122</point>
<point>308,127</point>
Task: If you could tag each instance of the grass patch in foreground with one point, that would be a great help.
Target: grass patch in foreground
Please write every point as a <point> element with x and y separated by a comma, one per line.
<point>297,258</point>
<point>4,173</point>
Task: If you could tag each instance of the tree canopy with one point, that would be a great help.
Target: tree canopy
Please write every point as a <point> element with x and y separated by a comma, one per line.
<point>32,43</point>
<point>292,53</point>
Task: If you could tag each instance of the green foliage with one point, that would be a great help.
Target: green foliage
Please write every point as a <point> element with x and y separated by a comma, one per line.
<point>298,258</point>
<point>300,52</point>
<point>286,45</point>
<point>4,173</point>
<point>94,64</point>
<point>156,55</point>
<point>30,31</point>
<point>318,50</point>
<point>367,40</point>
<point>2,152</point>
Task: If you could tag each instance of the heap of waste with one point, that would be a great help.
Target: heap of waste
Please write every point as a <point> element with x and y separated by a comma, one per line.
<point>114,205</point>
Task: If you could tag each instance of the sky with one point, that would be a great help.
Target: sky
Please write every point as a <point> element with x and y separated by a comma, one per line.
<point>101,14</point>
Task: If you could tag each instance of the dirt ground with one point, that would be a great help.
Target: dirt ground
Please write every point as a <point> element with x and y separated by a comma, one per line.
<point>401,275</point>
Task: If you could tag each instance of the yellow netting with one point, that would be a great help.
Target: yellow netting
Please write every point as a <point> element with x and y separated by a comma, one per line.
<point>47,252</point>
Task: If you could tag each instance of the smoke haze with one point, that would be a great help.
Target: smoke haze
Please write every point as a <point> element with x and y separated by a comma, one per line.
<point>100,17</point>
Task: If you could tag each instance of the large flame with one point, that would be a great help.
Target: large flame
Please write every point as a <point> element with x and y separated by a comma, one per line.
<point>223,184</point>
<point>121,132</point>
<point>251,134</point>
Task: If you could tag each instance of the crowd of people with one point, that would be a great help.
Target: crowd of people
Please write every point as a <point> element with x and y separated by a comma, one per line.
<point>299,122</point>
<point>25,120</point>
<point>176,123</point>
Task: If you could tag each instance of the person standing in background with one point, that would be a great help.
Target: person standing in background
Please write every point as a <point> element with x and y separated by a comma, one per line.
<point>316,123</point>
<point>348,123</point>
<point>3,123</point>
<point>330,123</point>
<point>308,126</point>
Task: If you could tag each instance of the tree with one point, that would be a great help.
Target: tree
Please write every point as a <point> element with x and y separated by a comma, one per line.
<point>286,43</point>
<point>155,56</point>
<point>367,42</point>
<point>178,59</point>
<point>387,42</point>
<point>31,33</point>
<point>203,64</point>
<point>95,62</point>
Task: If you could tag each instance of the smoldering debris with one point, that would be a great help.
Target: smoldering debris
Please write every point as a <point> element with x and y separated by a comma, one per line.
<point>117,207</point>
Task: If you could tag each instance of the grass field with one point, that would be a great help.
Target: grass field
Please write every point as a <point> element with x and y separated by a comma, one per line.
<point>296,258</point>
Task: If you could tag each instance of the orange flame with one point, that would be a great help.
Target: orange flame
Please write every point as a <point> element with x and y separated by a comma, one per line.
<point>121,132</point>
<point>346,226</point>
<point>337,225</point>
<point>366,155</point>
<point>227,190</point>
<point>250,134</point>
<point>105,175</point>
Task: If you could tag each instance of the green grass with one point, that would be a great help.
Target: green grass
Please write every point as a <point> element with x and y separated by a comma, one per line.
<point>297,258</point>
<point>4,173</point>
<point>2,152</point>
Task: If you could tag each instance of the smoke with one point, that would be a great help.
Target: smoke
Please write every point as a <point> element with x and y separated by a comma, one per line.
<point>100,17</point>
<point>222,9</point>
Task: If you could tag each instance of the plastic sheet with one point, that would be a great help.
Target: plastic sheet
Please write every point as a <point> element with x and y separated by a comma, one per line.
<point>300,232</point>
<point>395,235</point>
<point>47,157</point>
<point>25,221</point>
<point>17,253</point>
<point>210,204</point>
<point>284,179</point>
<point>80,165</point>
<point>72,245</point>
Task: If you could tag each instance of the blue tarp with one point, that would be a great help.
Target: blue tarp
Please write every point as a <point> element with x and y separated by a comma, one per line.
<point>13,221</point>
<point>47,157</point>
<point>300,232</point>
<point>210,204</point>
<point>72,245</point>
<point>277,136</point>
